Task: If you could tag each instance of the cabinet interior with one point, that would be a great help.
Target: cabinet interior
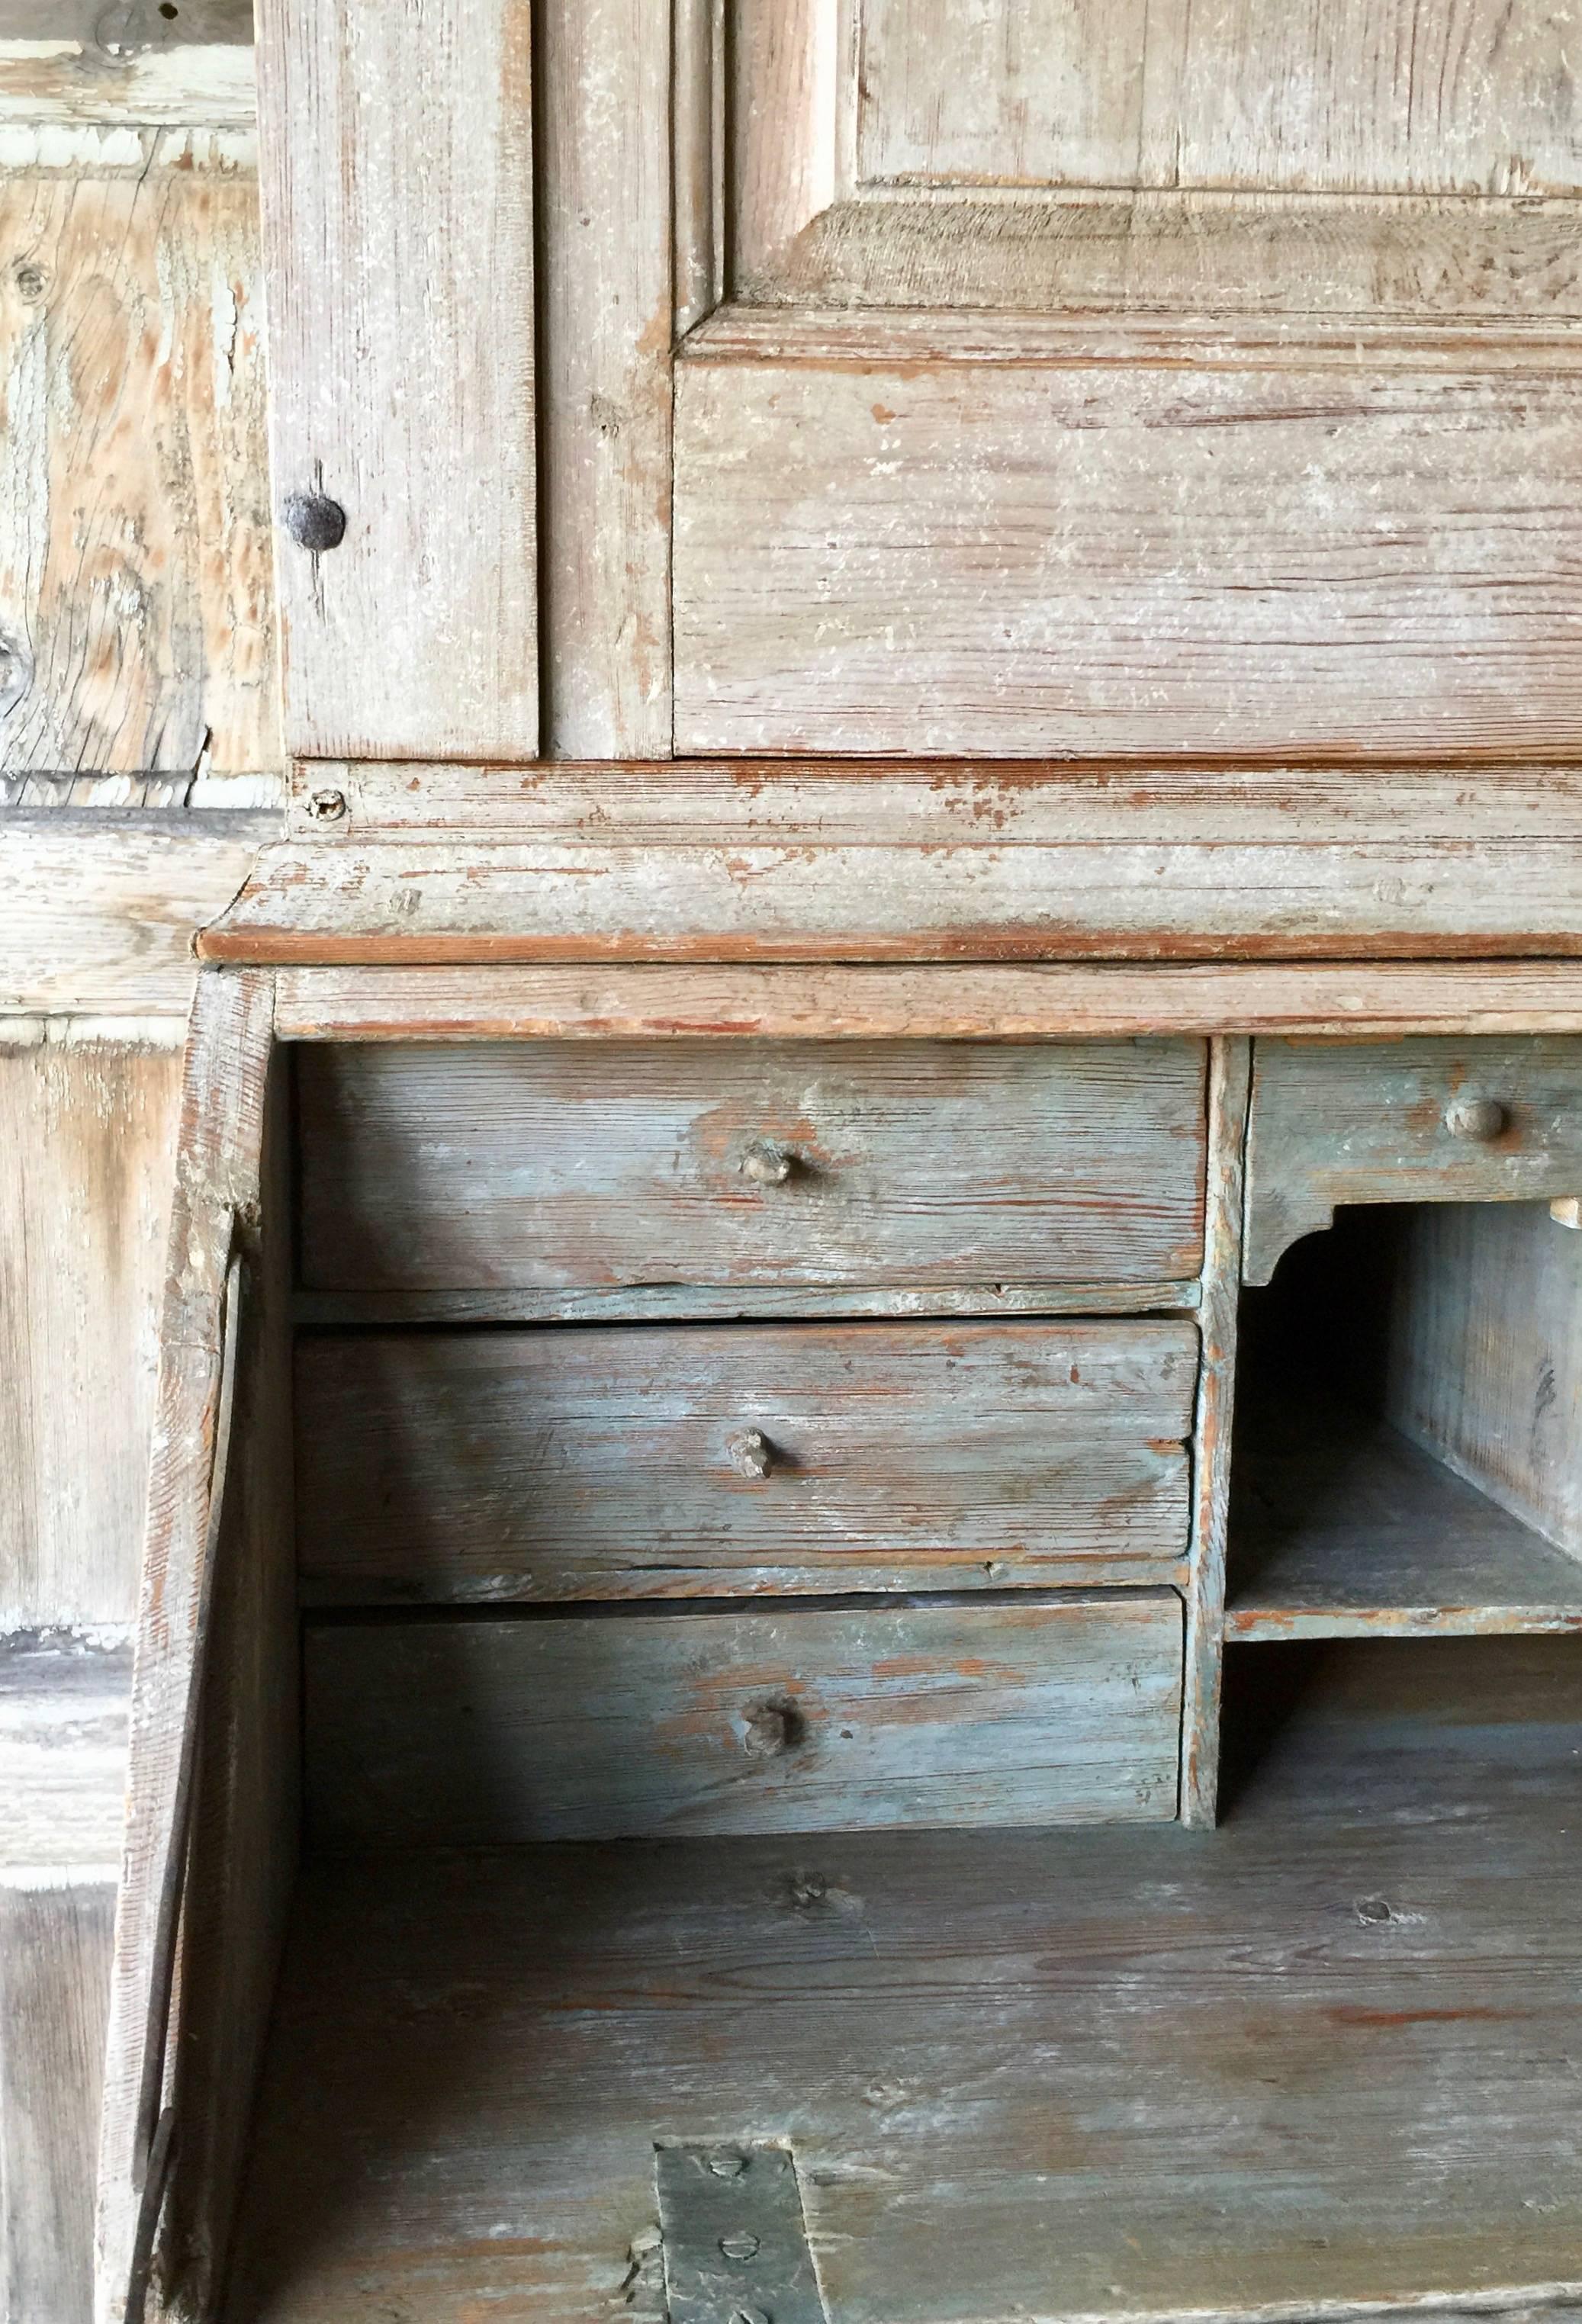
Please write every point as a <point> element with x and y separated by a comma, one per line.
<point>1089,2069</point>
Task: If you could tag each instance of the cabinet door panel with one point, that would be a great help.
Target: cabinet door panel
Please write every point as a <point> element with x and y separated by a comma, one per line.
<point>964,558</point>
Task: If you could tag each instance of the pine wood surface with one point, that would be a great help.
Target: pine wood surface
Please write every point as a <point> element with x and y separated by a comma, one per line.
<point>575,1463</point>
<point>923,1711</point>
<point>1319,2055</point>
<point>545,1163</point>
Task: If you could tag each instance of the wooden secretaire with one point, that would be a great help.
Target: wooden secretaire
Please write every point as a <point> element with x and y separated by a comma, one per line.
<point>863,1599</point>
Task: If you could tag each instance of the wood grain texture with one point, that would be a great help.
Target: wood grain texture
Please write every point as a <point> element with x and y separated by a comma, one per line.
<point>1358,1123</point>
<point>1342,1529</point>
<point>398,222</point>
<point>1050,1710</point>
<point>962,861</point>
<point>246,1812</point>
<point>54,1973</point>
<point>1486,1356</point>
<point>547,1164</point>
<point>136,614</point>
<point>88,1133</point>
<point>63,1698</point>
<point>216,1182</point>
<point>603,1464</point>
<point>930,1003</point>
<point>1330,96</point>
<point>1318,2058</point>
<point>1027,560</point>
<point>1210,278</point>
<point>102,908</point>
<point>604,394</point>
<point>1229,1083</point>
<point>128,62</point>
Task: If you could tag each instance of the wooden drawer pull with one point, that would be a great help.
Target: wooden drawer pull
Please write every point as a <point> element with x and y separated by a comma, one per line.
<point>766,1732</point>
<point>768,1164</point>
<point>751,1453</point>
<point>1479,1118</point>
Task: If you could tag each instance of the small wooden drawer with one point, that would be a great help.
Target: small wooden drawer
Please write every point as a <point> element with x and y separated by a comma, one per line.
<point>658,1459</point>
<point>1475,1120</point>
<point>553,1164</point>
<point>478,1732</point>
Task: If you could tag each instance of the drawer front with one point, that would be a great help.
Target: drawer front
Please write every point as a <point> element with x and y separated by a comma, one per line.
<point>650,1461</point>
<point>1406,1121</point>
<point>539,1164</point>
<point>477,1731</point>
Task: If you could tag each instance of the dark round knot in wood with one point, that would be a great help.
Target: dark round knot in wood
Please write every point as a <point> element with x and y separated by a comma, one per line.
<point>315,522</point>
<point>1480,1119</point>
<point>325,807</point>
<point>767,1732</point>
<point>751,1453</point>
<point>768,1164</point>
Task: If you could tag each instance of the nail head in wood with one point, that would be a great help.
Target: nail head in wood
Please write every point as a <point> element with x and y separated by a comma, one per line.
<point>767,1164</point>
<point>315,522</point>
<point>1479,1118</point>
<point>768,1732</point>
<point>751,1453</point>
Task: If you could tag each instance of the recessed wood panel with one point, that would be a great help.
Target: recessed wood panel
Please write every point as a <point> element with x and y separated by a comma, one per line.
<point>1341,96</point>
<point>554,1163</point>
<point>663,1460</point>
<point>1043,1712</point>
<point>976,558</point>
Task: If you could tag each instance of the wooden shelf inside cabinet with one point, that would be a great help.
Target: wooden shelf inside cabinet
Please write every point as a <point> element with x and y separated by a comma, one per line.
<point>1342,1527</point>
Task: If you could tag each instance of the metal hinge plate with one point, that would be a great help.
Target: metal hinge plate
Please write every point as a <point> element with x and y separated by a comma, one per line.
<point>736,2241</point>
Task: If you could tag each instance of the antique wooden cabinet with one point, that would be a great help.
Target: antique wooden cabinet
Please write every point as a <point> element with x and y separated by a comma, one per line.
<point>865,1555</point>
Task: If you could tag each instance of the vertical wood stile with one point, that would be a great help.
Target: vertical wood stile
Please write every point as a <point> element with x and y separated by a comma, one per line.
<point>217,1184</point>
<point>1229,1082</point>
<point>606,258</point>
<point>396,184</point>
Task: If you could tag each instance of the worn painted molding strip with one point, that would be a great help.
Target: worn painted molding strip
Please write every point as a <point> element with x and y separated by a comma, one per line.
<point>837,1003</point>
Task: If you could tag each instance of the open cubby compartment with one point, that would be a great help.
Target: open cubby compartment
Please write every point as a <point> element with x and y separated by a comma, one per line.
<point>1407,1455</point>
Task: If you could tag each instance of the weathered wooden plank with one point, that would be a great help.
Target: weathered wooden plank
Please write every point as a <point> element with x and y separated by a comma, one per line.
<point>136,621</point>
<point>1332,95</point>
<point>965,861</point>
<point>1320,2059</point>
<point>676,1459</point>
<point>102,909</point>
<point>1043,1711</point>
<point>133,61</point>
<point>1229,1083</point>
<point>218,1186</point>
<point>87,1146</point>
<point>401,325</point>
<point>54,1969</point>
<point>603,409</point>
<point>1400,1123</point>
<point>1341,1527</point>
<point>677,1303</point>
<point>837,1003</point>
<point>1147,563</point>
<point>543,1164</point>
<point>63,1697</point>
<point>1486,1356</point>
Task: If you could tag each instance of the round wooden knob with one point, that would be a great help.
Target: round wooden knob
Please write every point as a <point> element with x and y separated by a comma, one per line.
<point>751,1453</point>
<point>1477,1118</point>
<point>767,1732</point>
<point>767,1164</point>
